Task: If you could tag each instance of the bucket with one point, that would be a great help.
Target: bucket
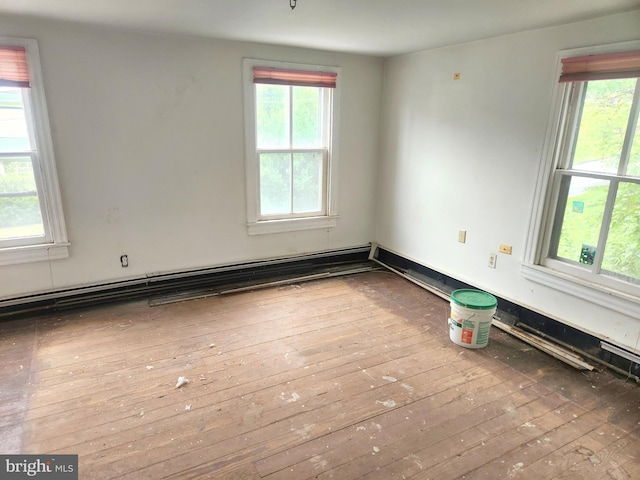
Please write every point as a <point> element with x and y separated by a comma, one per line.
<point>470,320</point>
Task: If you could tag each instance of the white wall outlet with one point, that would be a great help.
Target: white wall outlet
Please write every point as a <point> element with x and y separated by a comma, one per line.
<point>493,258</point>
<point>124,261</point>
<point>462,236</point>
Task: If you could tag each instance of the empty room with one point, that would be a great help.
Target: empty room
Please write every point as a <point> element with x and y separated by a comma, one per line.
<point>295,239</point>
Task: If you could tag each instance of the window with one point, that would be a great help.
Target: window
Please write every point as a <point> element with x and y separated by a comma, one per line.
<point>31,220</point>
<point>590,231</point>
<point>290,135</point>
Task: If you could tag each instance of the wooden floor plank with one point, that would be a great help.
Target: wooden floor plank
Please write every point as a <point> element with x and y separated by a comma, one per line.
<point>231,387</point>
<point>349,377</point>
<point>326,413</point>
<point>424,422</point>
<point>524,455</point>
<point>17,341</point>
<point>576,457</point>
<point>619,460</point>
<point>284,335</point>
<point>442,456</point>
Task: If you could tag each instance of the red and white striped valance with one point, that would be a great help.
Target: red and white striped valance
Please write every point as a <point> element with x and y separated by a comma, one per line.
<point>13,67</point>
<point>300,78</point>
<point>601,67</point>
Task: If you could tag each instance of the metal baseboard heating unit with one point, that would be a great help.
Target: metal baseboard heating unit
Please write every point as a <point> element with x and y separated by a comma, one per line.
<point>620,352</point>
<point>550,348</point>
<point>176,286</point>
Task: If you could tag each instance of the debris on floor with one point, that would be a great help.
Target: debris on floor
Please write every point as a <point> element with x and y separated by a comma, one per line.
<point>181,381</point>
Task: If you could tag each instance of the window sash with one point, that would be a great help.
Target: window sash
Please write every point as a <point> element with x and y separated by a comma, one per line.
<point>32,157</point>
<point>561,183</point>
<point>325,104</point>
<point>573,107</point>
<point>29,239</point>
<point>291,214</point>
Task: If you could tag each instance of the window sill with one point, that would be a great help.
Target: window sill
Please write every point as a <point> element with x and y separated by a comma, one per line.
<point>624,303</point>
<point>33,253</point>
<point>291,225</point>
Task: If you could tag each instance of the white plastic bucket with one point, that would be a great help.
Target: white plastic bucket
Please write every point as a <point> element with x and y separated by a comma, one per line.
<point>471,315</point>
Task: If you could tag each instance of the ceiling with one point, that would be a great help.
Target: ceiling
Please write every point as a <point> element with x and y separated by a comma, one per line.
<point>371,27</point>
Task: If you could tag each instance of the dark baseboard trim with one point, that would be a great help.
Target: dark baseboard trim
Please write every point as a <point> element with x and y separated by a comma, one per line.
<point>201,282</point>
<point>516,315</point>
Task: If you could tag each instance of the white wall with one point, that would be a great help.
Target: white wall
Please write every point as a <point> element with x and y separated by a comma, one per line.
<point>149,141</point>
<point>465,154</point>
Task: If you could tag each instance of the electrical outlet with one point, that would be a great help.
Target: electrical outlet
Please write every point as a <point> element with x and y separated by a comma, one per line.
<point>124,261</point>
<point>462,236</point>
<point>493,258</point>
<point>506,249</point>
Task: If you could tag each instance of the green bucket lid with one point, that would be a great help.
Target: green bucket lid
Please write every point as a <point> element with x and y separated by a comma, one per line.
<point>474,299</point>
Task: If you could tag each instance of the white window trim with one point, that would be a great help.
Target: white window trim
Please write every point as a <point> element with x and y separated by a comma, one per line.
<point>625,299</point>
<point>55,244</point>
<point>291,225</point>
<point>256,226</point>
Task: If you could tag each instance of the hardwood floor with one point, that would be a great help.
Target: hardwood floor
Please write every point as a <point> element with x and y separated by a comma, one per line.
<point>349,377</point>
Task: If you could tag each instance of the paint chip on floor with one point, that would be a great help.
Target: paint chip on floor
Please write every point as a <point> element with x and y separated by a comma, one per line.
<point>515,469</point>
<point>182,381</point>
<point>294,397</point>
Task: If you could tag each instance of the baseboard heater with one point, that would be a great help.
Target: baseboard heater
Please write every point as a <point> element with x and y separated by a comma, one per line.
<point>573,346</point>
<point>163,288</point>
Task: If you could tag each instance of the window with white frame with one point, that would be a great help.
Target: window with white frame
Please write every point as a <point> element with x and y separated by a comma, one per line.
<point>31,221</point>
<point>590,229</point>
<point>290,146</point>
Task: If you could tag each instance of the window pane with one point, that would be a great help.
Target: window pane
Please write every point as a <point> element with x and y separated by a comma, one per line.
<point>603,124</point>
<point>622,253</point>
<point>14,135</point>
<point>307,182</point>
<point>19,206</point>
<point>275,183</point>
<point>634,157</point>
<point>306,117</point>
<point>581,219</point>
<point>272,116</point>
